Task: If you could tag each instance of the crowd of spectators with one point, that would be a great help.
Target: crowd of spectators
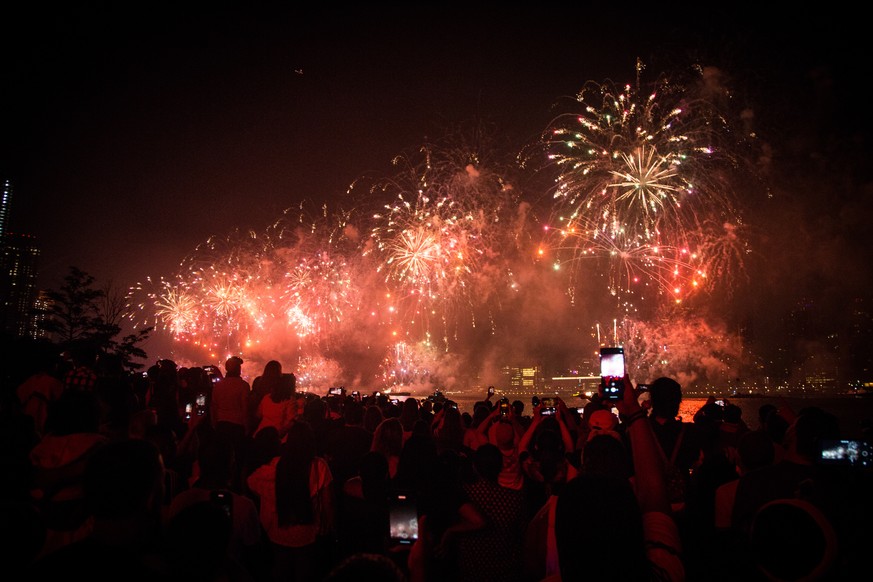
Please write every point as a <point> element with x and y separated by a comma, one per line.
<point>195,474</point>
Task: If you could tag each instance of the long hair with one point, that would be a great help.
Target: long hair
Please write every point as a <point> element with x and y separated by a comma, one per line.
<point>450,434</point>
<point>388,438</point>
<point>272,369</point>
<point>408,413</point>
<point>293,497</point>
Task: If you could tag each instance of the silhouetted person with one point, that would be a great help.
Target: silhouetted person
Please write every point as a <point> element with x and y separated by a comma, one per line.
<point>123,486</point>
<point>297,506</point>
<point>229,409</point>
<point>493,552</point>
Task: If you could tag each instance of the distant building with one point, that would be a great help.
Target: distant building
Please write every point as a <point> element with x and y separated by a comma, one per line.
<point>5,201</point>
<point>19,254</point>
<point>18,263</point>
<point>522,378</point>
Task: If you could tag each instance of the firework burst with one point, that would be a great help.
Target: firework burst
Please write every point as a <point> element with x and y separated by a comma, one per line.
<point>637,173</point>
<point>442,229</point>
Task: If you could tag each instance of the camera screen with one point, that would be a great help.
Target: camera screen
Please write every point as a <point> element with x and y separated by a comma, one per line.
<point>403,519</point>
<point>852,453</point>
<point>612,362</point>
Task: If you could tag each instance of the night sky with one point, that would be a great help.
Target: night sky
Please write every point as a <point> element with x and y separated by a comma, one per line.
<point>133,133</point>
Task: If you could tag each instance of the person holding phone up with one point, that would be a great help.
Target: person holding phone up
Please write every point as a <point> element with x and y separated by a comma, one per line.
<point>634,521</point>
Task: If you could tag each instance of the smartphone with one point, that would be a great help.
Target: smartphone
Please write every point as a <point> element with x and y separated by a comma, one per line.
<point>336,391</point>
<point>491,391</point>
<point>720,402</point>
<point>846,453</point>
<point>548,406</point>
<point>612,371</point>
<point>189,408</point>
<point>200,404</point>
<point>402,518</point>
<point>504,407</point>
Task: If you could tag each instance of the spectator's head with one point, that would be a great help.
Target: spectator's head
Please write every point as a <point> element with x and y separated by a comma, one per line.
<point>811,426</point>
<point>602,422</point>
<point>408,413</point>
<point>388,438</point>
<point>233,366</point>
<point>733,414</point>
<point>755,449</point>
<point>353,412</point>
<point>606,454</point>
<point>791,539</point>
<point>548,451</point>
<point>665,395</point>
<point>315,410</point>
<point>168,373</point>
<point>765,411</point>
<point>372,417</point>
<point>488,461</point>
<point>481,410</point>
<point>776,427</point>
<point>272,369</point>
<point>452,428</point>
<point>504,435</point>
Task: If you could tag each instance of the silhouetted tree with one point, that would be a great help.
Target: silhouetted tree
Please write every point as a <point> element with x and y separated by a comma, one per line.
<point>80,314</point>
